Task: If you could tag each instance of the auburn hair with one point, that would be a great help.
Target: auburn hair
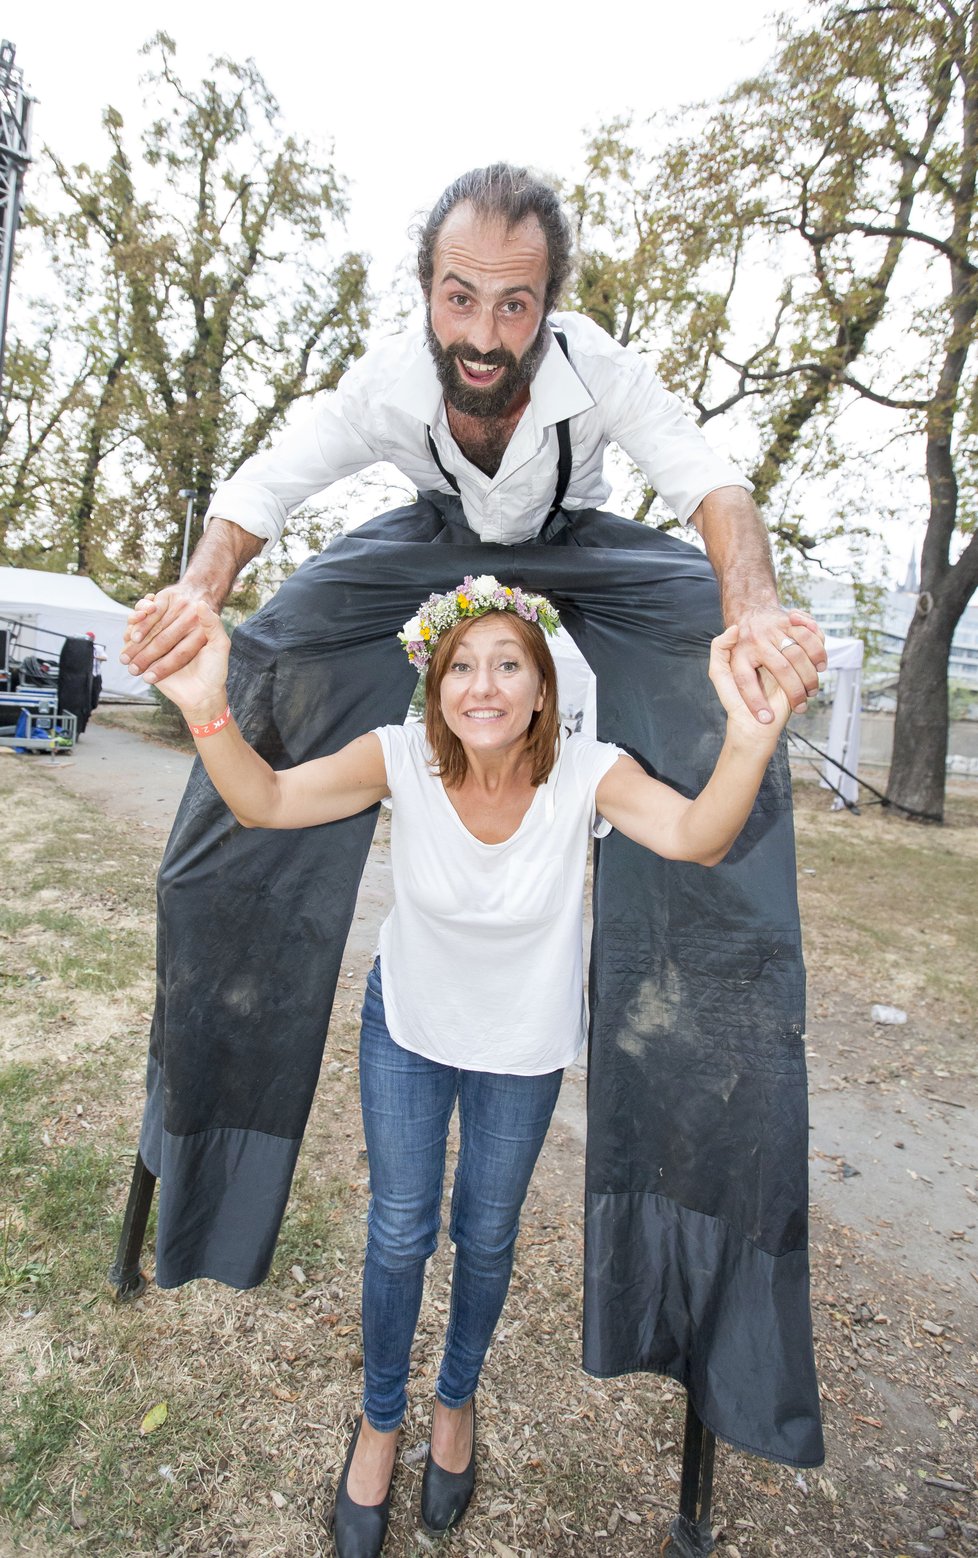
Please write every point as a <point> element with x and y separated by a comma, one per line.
<point>448,754</point>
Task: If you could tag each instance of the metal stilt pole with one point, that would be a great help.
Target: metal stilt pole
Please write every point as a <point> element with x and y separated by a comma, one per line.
<point>124,1273</point>
<point>690,1535</point>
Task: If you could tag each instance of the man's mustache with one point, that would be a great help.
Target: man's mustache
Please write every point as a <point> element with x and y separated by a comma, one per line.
<point>499,357</point>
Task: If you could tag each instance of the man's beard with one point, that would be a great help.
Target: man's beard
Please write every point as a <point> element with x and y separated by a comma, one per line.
<point>494,399</point>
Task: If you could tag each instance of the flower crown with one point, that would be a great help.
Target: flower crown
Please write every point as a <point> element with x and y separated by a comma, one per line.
<point>471,598</point>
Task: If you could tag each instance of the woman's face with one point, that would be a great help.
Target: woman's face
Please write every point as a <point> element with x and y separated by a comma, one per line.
<point>491,688</point>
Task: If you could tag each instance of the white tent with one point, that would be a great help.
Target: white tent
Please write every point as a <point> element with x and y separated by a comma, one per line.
<point>577,702</point>
<point>846,660</point>
<point>45,608</point>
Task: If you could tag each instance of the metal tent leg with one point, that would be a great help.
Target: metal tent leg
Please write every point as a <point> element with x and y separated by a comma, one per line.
<point>124,1273</point>
<point>690,1535</point>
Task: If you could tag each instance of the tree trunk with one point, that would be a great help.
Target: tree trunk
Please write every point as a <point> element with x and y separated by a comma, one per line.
<point>101,423</point>
<point>920,732</point>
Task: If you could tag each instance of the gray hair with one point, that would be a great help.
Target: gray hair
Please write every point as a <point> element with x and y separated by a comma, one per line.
<point>512,194</point>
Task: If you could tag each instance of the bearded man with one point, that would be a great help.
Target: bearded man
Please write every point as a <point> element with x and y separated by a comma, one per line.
<point>499,411</point>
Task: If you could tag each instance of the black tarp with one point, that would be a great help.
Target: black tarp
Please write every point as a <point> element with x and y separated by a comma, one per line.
<point>696,1259</point>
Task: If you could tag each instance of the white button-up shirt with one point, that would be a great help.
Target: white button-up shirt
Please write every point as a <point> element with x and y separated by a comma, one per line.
<point>385,402</point>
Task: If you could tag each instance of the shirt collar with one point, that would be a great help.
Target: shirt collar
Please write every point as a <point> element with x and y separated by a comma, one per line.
<point>556,392</point>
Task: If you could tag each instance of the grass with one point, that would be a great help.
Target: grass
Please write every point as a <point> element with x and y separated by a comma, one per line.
<point>888,910</point>
<point>260,1387</point>
<point>44,1423</point>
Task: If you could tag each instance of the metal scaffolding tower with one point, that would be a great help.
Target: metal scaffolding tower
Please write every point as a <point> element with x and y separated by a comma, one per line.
<point>15,156</point>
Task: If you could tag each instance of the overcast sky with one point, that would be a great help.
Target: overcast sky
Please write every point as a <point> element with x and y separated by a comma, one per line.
<point>409,96</point>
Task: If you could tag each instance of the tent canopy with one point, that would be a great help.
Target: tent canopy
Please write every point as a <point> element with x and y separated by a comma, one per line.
<point>48,607</point>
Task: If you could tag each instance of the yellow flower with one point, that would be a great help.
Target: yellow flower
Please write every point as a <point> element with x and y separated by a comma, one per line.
<point>425,630</point>
<point>463,601</point>
<point>508,591</point>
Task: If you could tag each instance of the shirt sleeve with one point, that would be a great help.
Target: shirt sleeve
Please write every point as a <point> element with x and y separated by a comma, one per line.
<point>592,759</point>
<point>263,492</point>
<point>649,423</point>
<point>393,745</point>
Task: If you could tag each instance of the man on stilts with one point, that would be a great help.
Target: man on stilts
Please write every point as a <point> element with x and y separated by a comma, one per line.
<point>499,411</point>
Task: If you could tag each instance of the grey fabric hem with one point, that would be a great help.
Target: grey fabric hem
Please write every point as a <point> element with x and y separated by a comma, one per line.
<point>218,1224</point>
<point>728,1332</point>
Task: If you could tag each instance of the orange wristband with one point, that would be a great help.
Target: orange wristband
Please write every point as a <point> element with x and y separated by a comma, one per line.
<point>212,726</point>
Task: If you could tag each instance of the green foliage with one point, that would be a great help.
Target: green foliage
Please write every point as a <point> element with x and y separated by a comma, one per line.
<point>200,294</point>
<point>804,248</point>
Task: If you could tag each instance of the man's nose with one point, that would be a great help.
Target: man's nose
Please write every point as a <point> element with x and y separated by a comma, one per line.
<point>484,331</point>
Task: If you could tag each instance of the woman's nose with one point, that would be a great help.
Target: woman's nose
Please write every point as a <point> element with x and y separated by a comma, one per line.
<point>485,680</point>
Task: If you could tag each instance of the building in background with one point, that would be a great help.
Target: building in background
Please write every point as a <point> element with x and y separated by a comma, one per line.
<point>833,603</point>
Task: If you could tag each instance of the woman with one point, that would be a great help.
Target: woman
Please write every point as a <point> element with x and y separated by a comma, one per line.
<point>477,995</point>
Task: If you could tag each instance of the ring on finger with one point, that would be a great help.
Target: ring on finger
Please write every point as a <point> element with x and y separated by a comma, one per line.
<point>785,642</point>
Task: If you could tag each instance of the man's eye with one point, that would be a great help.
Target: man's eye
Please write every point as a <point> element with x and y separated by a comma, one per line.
<point>459,299</point>
<point>513,306</point>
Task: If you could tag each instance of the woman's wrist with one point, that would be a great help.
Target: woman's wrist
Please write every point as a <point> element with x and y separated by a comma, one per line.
<point>750,744</point>
<point>208,712</point>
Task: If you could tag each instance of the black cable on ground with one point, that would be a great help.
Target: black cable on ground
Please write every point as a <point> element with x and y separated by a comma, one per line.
<point>881,799</point>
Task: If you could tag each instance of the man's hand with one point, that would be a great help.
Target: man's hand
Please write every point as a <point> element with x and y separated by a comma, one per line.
<point>163,633</point>
<point>199,690</point>
<point>787,644</point>
<point>742,723</point>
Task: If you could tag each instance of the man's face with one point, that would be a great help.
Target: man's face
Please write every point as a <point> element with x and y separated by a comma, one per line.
<point>486,311</point>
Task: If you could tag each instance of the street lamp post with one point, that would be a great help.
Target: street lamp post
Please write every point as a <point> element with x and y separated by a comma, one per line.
<point>190,494</point>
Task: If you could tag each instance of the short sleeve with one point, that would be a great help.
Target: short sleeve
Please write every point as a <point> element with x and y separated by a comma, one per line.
<point>600,826</point>
<point>405,753</point>
<point>591,760</point>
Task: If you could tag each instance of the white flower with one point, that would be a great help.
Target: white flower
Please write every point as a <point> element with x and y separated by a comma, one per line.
<point>411,630</point>
<point>485,584</point>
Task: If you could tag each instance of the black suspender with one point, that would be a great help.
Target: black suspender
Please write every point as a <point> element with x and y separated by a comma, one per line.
<point>563,449</point>
<point>563,444</point>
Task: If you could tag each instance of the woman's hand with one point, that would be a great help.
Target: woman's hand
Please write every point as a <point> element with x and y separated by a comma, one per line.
<point>199,689</point>
<point>741,722</point>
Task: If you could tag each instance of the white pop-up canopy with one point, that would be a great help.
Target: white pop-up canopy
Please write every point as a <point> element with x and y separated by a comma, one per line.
<point>577,702</point>
<point>49,607</point>
<point>846,660</point>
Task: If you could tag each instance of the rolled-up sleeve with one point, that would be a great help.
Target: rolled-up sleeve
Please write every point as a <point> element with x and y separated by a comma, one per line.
<point>265,490</point>
<point>649,423</point>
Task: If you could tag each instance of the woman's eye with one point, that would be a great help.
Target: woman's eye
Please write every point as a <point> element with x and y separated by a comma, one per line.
<point>459,665</point>
<point>509,665</point>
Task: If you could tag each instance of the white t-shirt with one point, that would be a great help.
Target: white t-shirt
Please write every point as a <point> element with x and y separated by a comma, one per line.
<point>482,953</point>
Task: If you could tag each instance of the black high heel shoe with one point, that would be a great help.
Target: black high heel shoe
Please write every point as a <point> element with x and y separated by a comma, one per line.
<point>445,1495</point>
<point>358,1529</point>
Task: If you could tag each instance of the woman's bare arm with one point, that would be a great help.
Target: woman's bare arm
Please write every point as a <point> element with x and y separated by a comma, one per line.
<point>322,790</point>
<point>703,829</point>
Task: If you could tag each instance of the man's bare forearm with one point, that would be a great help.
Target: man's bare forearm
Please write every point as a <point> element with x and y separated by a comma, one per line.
<point>220,555</point>
<point>737,545</point>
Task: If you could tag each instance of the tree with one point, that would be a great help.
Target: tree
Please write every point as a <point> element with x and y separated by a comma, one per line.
<point>221,301</point>
<point>846,170</point>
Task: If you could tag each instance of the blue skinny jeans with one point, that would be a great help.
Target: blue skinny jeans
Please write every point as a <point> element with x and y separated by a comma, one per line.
<point>407,1103</point>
